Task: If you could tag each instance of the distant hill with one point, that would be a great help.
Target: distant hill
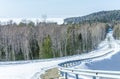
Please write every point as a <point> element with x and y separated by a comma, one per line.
<point>102,16</point>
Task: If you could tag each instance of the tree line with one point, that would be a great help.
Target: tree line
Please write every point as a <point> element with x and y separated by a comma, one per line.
<point>25,41</point>
<point>102,16</point>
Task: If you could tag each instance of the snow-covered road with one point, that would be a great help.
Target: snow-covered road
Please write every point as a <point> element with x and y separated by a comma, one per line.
<point>33,69</point>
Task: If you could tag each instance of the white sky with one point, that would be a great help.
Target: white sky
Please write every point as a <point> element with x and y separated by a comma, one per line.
<point>60,9</point>
<point>53,8</point>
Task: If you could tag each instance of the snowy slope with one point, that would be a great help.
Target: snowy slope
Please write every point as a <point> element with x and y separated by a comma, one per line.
<point>33,69</point>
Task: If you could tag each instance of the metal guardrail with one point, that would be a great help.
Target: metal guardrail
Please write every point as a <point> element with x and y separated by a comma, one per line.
<point>93,73</point>
<point>65,69</point>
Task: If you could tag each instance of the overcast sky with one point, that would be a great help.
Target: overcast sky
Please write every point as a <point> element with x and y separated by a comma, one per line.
<point>54,8</point>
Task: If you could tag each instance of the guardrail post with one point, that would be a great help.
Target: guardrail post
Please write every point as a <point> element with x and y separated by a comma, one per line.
<point>79,62</point>
<point>62,73</point>
<point>77,76</point>
<point>65,65</point>
<point>94,77</point>
<point>72,63</point>
<point>68,64</point>
<point>66,75</point>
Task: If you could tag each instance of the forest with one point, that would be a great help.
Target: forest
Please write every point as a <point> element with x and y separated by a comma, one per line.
<point>102,16</point>
<point>28,41</point>
<point>25,41</point>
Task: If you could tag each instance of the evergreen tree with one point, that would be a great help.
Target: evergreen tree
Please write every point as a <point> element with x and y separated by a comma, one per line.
<point>47,47</point>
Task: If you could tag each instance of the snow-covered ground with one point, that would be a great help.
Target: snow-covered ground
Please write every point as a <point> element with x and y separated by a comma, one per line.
<point>109,62</point>
<point>33,69</point>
